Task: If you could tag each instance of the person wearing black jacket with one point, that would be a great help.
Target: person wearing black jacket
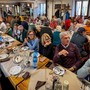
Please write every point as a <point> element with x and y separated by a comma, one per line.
<point>46,29</point>
<point>46,47</point>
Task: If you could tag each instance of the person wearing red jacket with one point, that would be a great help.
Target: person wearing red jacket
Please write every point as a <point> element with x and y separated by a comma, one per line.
<point>67,23</point>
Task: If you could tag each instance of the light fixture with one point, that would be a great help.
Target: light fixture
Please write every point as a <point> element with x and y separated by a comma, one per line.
<point>7,6</point>
<point>13,5</point>
<point>2,5</point>
<point>28,5</point>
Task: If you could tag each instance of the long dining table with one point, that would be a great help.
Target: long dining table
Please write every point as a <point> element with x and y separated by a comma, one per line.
<point>74,82</point>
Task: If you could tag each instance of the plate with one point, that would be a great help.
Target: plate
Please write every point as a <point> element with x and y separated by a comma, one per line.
<point>3,56</point>
<point>25,48</point>
<point>58,70</point>
<point>15,70</point>
<point>11,40</point>
<point>37,54</point>
<point>17,59</point>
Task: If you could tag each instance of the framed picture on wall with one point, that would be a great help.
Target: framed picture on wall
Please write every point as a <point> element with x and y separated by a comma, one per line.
<point>57,6</point>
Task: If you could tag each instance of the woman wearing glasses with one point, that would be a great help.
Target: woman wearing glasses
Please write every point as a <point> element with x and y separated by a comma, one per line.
<point>46,47</point>
<point>32,41</point>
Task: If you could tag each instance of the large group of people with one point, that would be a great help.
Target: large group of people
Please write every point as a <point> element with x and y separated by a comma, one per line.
<point>54,39</point>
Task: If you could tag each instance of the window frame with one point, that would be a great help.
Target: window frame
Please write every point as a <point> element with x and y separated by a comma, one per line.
<point>82,7</point>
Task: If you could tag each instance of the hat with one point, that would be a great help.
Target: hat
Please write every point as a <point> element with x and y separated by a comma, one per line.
<point>81,29</point>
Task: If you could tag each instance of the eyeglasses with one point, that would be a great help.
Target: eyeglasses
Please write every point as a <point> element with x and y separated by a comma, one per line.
<point>30,34</point>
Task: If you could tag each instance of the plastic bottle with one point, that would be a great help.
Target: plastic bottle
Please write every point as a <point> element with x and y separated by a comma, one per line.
<point>35,59</point>
<point>1,39</point>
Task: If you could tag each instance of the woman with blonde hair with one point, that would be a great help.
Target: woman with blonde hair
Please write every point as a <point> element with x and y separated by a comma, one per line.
<point>46,47</point>
<point>32,41</point>
<point>87,27</point>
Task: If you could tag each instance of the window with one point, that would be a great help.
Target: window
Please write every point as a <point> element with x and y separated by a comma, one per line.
<point>81,7</point>
<point>84,8</point>
<point>78,7</point>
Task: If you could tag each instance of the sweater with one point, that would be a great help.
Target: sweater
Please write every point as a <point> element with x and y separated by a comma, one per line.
<point>71,60</point>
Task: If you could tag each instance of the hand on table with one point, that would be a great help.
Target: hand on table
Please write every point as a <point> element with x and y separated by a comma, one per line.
<point>71,69</point>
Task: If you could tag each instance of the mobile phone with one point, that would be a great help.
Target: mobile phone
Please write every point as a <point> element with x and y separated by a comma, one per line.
<point>48,64</point>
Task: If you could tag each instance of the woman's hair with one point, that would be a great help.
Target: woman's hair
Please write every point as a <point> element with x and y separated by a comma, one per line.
<point>16,24</point>
<point>87,22</point>
<point>33,33</point>
<point>44,37</point>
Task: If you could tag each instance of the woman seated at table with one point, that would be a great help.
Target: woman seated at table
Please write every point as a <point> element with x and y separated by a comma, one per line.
<point>84,71</point>
<point>67,53</point>
<point>32,41</point>
<point>46,47</point>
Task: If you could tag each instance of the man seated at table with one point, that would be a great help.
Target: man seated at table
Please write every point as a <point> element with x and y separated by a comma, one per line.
<point>22,33</point>
<point>67,53</point>
<point>79,38</point>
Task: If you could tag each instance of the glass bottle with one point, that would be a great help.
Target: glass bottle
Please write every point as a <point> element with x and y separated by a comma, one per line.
<point>58,85</point>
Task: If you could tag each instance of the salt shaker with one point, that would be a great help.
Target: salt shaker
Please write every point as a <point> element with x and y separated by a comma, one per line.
<point>66,85</point>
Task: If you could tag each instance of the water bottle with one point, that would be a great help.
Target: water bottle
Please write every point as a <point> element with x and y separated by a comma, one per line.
<point>1,39</point>
<point>35,60</point>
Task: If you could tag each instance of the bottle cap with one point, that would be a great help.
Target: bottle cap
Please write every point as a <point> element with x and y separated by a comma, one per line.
<point>66,83</point>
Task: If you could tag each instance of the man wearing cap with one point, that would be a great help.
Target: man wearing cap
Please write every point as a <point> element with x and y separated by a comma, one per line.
<point>79,38</point>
